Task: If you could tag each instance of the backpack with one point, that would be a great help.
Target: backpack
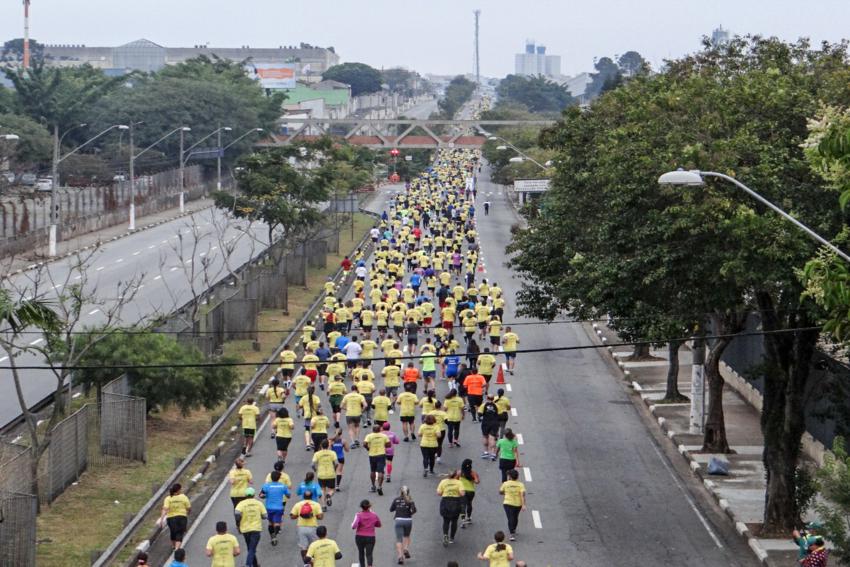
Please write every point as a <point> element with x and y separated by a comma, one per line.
<point>491,411</point>
<point>306,511</point>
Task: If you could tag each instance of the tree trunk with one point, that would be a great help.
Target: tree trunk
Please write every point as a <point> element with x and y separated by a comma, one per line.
<point>714,437</point>
<point>788,363</point>
<point>673,394</point>
<point>641,352</point>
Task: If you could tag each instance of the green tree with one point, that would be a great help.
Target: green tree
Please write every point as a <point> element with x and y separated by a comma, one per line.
<point>458,92</point>
<point>362,78</point>
<point>33,148</point>
<point>202,93</point>
<point>834,484</point>
<point>632,63</point>
<point>128,351</point>
<point>538,94</point>
<point>402,81</point>
<point>13,50</point>
<point>607,72</point>
<point>740,108</point>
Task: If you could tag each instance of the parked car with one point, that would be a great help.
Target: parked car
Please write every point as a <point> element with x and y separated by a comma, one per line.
<point>8,176</point>
<point>44,184</point>
<point>28,179</point>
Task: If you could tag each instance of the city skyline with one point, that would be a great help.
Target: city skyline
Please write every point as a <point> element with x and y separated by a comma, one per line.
<point>658,29</point>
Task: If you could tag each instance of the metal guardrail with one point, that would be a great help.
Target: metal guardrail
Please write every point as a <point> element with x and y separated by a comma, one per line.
<point>119,542</point>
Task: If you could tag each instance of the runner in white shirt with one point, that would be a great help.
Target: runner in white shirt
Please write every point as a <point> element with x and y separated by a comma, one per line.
<point>352,352</point>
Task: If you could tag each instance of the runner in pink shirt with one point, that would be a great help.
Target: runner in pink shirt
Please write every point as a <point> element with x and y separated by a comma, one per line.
<point>364,526</point>
<point>390,450</point>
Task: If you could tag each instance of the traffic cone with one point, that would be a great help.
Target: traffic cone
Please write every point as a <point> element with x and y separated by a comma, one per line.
<point>500,377</point>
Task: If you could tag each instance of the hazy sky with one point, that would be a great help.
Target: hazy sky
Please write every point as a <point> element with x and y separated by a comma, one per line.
<point>429,35</point>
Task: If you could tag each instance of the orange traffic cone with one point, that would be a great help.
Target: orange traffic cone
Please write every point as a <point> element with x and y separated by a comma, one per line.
<point>500,377</point>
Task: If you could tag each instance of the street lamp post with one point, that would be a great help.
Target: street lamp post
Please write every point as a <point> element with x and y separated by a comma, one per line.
<point>187,153</point>
<point>218,158</point>
<point>182,164</point>
<point>221,153</point>
<point>133,157</point>
<point>696,178</point>
<point>54,183</point>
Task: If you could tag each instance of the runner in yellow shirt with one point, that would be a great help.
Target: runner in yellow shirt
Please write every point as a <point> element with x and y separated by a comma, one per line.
<point>223,547</point>
<point>498,554</point>
<point>510,340</point>
<point>248,419</point>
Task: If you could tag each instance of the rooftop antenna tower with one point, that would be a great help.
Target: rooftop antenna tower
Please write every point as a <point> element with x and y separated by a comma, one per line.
<point>477,56</point>
<point>26,34</point>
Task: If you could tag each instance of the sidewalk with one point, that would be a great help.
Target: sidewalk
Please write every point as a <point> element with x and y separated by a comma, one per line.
<point>740,494</point>
<point>72,245</point>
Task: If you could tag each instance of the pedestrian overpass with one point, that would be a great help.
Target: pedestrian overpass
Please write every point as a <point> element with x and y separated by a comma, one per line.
<point>394,132</point>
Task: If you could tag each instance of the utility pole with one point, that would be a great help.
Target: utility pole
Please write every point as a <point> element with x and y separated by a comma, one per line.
<point>132,180</point>
<point>54,185</point>
<point>26,34</point>
<point>697,414</point>
<point>217,163</point>
<point>477,52</point>
<point>182,207</point>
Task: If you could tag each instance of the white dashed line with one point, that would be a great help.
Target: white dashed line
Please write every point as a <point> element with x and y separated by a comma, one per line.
<point>535,516</point>
<point>513,412</point>
<point>5,358</point>
<point>93,311</point>
<point>16,439</point>
<point>119,260</point>
<point>137,252</point>
<point>214,248</point>
<point>189,261</point>
<point>165,242</point>
<point>158,277</point>
<point>508,388</point>
<point>152,246</point>
<point>174,269</point>
<point>526,472</point>
<point>519,439</point>
<point>100,268</point>
<point>203,254</point>
<point>78,277</point>
<point>35,342</point>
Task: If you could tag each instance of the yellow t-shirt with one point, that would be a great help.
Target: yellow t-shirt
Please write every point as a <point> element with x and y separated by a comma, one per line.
<point>498,558</point>
<point>275,395</point>
<point>221,546</point>
<point>391,376</point>
<point>337,388</point>
<point>319,424</point>
<point>283,426</point>
<point>312,521</point>
<point>382,408</point>
<point>301,383</point>
<point>440,416</point>
<point>428,435</point>
<point>369,347</point>
<point>509,341</point>
<point>307,404</point>
<point>427,404</point>
<point>325,461</point>
<point>377,444</point>
<point>249,413</point>
<point>353,403</point>
<point>240,478</point>
<point>287,359</point>
<point>503,403</point>
<point>486,362</point>
<point>323,552</point>
<point>407,401</point>
<point>513,490</point>
<point>450,488</point>
<point>310,361</point>
<point>454,408</point>
<point>177,505</point>
<point>252,515</point>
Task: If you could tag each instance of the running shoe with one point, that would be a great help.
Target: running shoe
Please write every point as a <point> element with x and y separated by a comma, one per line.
<point>389,478</point>
<point>445,541</point>
<point>485,455</point>
<point>406,554</point>
<point>512,537</point>
<point>406,440</point>
<point>372,488</point>
<point>380,491</point>
<point>425,473</point>
<point>329,502</point>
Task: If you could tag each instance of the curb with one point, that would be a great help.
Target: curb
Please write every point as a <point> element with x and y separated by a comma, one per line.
<point>99,242</point>
<point>696,469</point>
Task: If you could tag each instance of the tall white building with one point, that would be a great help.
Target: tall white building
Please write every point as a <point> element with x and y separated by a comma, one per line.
<point>720,36</point>
<point>534,61</point>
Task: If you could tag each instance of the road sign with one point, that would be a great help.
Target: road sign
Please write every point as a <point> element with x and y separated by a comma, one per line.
<point>207,153</point>
<point>531,185</point>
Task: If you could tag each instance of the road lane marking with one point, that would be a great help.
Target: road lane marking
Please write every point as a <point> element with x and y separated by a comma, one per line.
<point>519,439</point>
<point>513,412</point>
<point>688,497</point>
<point>152,246</point>
<point>158,277</point>
<point>78,277</point>
<point>174,269</point>
<point>189,261</point>
<point>119,260</point>
<point>35,342</point>
<point>137,252</point>
<point>535,516</point>
<point>214,248</point>
<point>100,268</point>
<point>508,388</point>
<point>526,472</point>
<point>4,359</point>
<point>93,311</point>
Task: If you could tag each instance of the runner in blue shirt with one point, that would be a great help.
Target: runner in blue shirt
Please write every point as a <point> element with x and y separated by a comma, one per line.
<point>275,493</point>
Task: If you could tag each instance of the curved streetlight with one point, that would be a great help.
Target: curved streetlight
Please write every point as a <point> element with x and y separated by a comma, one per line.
<point>134,156</point>
<point>694,178</point>
<point>54,183</point>
<point>522,155</point>
<point>222,150</point>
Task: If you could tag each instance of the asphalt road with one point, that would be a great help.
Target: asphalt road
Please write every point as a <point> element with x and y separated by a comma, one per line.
<point>162,264</point>
<point>600,492</point>
<point>422,110</point>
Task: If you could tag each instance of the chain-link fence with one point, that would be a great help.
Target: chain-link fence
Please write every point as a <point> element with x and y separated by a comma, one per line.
<point>95,435</point>
<point>17,529</point>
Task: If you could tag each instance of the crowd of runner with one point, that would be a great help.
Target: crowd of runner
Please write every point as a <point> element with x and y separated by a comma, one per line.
<point>419,306</point>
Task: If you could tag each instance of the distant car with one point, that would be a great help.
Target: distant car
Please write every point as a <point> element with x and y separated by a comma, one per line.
<point>44,184</point>
<point>28,179</point>
<point>120,177</point>
<point>8,176</point>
